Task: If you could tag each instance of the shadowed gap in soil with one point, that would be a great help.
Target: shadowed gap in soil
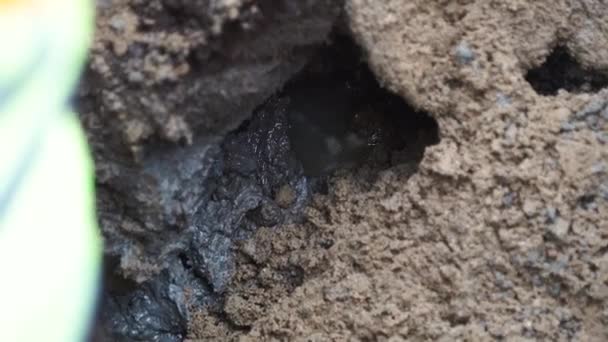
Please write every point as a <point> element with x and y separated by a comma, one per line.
<point>339,116</point>
<point>561,71</point>
<point>332,116</point>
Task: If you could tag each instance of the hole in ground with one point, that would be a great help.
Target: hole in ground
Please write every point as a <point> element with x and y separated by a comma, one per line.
<point>561,71</point>
<point>340,117</point>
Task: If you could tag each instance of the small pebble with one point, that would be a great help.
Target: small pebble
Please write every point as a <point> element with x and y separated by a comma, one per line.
<point>599,167</point>
<point>285,197</point>
<point>593,122</point>
<point>464,53</point>
<point>560,228</point>
<point>511,133</point>
<point>507,199</point>
<point>117,23</point>
<point>567,126</point>
<point>551,214</point>
<point>503,100</point>
<point>592,108</point>
<point>604,191</point>
<point>604,113</point>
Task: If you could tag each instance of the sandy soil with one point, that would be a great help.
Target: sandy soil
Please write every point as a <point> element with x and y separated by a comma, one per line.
<point>501,232</point>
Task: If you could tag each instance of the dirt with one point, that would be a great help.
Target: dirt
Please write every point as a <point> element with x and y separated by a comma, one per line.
<point>497,231</point>
<point>168,74</point>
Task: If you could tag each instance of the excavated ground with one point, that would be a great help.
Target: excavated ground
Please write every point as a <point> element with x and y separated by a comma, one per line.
<point>258,182</point>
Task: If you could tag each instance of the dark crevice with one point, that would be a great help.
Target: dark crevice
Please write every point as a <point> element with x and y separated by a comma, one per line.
<point>116,283</point>
<point>294,275</point>
<point>340,117</point>
<point>561,71</point>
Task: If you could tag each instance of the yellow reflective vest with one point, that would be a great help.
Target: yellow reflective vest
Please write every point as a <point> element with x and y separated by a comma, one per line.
<point>50,250</point>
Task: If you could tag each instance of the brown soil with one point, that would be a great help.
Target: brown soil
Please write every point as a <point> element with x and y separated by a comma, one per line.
<point>500,232</point>
<point>494,236</point>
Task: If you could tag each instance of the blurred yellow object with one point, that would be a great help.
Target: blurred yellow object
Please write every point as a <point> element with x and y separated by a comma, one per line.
<point>49,247</point>
<point>50,250</point>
